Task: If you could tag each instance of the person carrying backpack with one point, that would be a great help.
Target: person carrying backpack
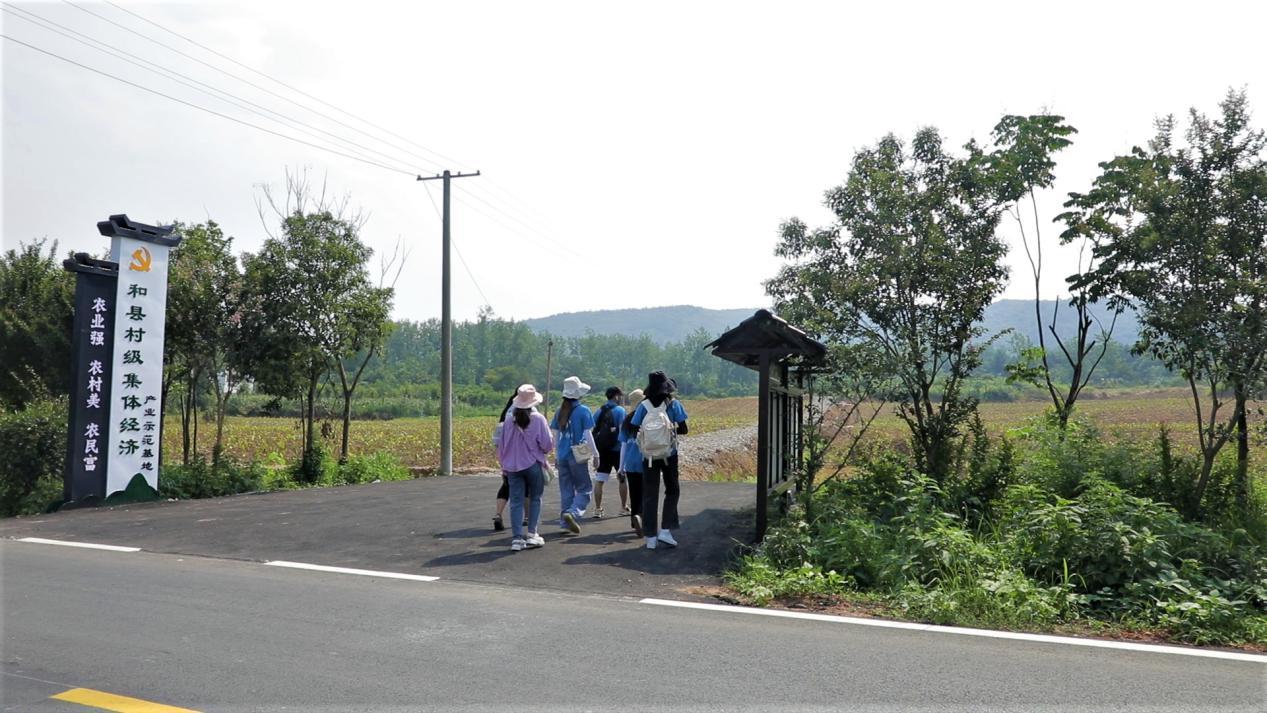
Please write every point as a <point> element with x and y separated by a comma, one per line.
<point>631,463</point>
<point>573,423</point>
<point>658,421</point>
<point>607,439</point>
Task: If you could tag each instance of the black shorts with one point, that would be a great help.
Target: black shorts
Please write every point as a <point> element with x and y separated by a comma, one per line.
<point>608,461</point>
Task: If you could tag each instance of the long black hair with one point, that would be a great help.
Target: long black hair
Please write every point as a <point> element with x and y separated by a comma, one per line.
<point>523,416</point>
<point>565,414</point>
<point>509,402</point>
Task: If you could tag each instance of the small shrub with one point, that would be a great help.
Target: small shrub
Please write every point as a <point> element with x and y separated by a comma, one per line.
<point>208,479</point>
<point>32,457</point>
<point>367,469</point>
<point>760,581</point>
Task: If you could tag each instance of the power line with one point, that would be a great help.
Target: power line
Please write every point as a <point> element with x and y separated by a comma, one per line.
<point>505,192</point>
<point>284,84</point>
<point>203,108</point>
<point>459,251</point>
<point>228,97</point>
<point>168,47</point>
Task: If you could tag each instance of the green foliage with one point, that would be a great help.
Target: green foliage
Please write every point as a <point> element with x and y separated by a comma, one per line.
<point>761,582</point>
<point>201,478</point>
<point>32,456</point>
<point>909,267</point>
<point>370,468</point>
<point>37,311</point>
<point>1035,532</point>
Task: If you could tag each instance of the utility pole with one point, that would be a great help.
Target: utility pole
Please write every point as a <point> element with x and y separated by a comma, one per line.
<point>549,357</point>
<point>446,333</point>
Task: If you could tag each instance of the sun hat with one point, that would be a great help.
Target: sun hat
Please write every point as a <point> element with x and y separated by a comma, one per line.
<point>574,388</point>
<point>635,398</point>
<point>659,384</point>
<point>527,396</point>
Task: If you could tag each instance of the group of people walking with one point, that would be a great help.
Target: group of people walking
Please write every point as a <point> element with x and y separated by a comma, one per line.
<point>635,445</point>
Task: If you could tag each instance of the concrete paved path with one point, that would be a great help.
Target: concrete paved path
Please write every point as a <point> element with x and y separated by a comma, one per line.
<point>433,526</point>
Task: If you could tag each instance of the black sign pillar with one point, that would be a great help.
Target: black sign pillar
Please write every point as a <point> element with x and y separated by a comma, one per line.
<point>92,346</point>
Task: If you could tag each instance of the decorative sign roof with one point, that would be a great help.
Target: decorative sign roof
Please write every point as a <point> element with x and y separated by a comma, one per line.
<point>764,333</point>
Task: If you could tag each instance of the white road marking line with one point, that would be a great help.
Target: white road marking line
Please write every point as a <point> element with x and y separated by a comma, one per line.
<point>984,633</point>
<point>85,545</point>
<point>346,570</point>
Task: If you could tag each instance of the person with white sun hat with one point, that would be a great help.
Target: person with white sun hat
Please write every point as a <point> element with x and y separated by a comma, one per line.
<point>572,426</point>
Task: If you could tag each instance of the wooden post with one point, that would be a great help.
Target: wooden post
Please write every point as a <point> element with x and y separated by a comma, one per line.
<point>763,447</point>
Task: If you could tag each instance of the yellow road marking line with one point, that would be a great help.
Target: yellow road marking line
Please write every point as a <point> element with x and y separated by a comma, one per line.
<point>119,704</point>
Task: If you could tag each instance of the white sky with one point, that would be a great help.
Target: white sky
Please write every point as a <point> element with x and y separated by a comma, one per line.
<point>614,138</point>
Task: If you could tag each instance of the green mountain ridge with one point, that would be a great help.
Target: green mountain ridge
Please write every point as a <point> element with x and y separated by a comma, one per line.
<point>666,325</point>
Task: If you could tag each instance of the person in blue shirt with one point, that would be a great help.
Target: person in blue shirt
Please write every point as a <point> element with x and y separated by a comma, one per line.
<point>572,424</point>
<point>631,463</point>
<point>659,392</point>
<point>607,424</point>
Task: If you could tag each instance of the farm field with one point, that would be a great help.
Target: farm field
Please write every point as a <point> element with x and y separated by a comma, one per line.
<point>413,441</point>
<point>1132,415</point>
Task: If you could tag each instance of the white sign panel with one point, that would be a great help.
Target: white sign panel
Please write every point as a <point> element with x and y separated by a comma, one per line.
<point>136,406</point>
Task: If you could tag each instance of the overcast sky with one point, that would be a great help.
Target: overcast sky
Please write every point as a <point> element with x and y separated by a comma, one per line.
<point>618,141</point>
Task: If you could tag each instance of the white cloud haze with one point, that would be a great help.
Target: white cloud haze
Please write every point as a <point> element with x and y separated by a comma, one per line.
<point>616,140</point>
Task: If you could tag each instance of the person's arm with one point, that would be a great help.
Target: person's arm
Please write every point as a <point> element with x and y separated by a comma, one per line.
<point>679,417</point>
<point>545,440</point>
<point>636,422</point>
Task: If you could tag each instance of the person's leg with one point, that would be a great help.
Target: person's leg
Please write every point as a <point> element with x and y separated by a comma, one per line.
<point>583,488</point>
<point>503,496</point>
<point>624,492</point>
<point>567,492</point>
<point>672,492</point>
<point>517,481</point>
<point>635,501</point>
<point>536,486</point>
<point>650,496</point>
<point>599,481</point>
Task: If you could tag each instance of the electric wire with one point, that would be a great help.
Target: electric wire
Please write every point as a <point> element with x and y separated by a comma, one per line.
<point>228,97</point>
<point>141,35</point>
<point>507,195</point>
<point>284,84</point>
<point>248,82</point>
<point>205,109</point>
<point>456,250</point>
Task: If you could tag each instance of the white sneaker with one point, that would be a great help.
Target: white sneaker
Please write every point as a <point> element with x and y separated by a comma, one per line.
<point>667,538</point>
<point>516,545</point>
<point>651,543</point>
<point>535,541</point>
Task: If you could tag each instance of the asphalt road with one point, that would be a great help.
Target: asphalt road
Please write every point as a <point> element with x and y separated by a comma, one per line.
<point>223,635</point>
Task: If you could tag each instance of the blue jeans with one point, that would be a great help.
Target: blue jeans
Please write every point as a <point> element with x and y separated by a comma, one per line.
<point>528,484</point>
<point>575,487</point>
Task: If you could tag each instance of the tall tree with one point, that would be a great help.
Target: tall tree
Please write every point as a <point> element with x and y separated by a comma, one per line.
<point>1021,165</point>
<point>37,310</point>
<point>1182,233</point>
<point>306,302</point>
<point>909,267</point>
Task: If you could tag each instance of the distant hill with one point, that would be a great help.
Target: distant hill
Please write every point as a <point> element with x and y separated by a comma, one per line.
<point>672,324</point>
<point>1019,316</point>
<point>662,324</point>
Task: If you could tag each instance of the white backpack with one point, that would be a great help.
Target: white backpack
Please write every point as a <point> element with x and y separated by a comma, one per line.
<point>657,436</point>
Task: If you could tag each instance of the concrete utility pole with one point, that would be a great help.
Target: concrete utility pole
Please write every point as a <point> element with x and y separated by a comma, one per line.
<point>446,334</point>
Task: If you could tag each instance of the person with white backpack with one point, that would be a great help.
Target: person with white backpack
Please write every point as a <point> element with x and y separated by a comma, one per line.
<point>658,421</point>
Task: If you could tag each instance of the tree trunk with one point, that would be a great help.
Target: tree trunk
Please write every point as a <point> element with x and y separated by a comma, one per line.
<point>310,439</point>
<point>1242,449</point>
<point>347,423</point>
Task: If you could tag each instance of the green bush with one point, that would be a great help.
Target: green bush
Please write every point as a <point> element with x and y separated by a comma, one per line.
<point>1039,531</point>
<point>368,469</point>
<point>32,457</point>
<point>209,479</point>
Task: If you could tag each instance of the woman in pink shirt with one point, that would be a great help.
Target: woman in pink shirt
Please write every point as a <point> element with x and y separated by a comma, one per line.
<point>525,441</point>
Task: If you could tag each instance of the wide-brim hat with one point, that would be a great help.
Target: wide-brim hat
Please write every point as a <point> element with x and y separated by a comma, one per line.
<point>635,398</point>
<point>659,384</point>
<point>527,396</point>
<point>574,388</point>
